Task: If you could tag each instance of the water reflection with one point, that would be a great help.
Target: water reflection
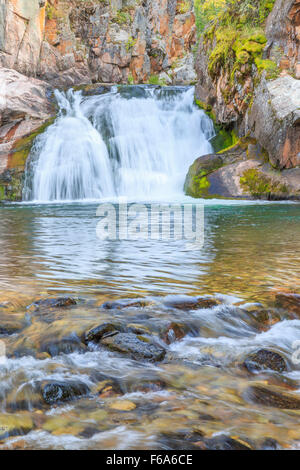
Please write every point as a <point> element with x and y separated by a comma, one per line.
<point>248,250</point>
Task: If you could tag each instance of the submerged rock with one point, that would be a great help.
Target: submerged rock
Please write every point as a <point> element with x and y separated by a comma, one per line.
<point>224,442</point>
<point>289,302</point>
<point>136,347</point>
<point>124,303</point>
<point>265,359</point>
<point>106,329</point>
<point>67,345</point>
<point>271,397</point>
<point>192,303</point>
<point>60,302</point>
<point>174,332</point>
<point>58,392</point>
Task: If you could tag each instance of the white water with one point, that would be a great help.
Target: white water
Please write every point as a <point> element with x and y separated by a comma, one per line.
<point>135,142</point>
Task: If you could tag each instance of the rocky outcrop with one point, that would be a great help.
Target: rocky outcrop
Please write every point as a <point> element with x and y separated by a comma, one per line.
<point>25,109</point>
<point>274,120</point>
<point>283,33</point>
<point>74,42</point>
<point>247,79</point>
<point>241,172</point>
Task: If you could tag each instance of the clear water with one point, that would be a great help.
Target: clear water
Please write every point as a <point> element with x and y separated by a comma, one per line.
<point>251,252</point>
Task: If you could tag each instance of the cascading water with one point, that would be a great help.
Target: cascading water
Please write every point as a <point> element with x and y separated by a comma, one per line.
<point>130,141</point>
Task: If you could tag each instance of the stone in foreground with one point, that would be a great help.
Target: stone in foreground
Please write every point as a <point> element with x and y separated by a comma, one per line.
<point>136,347</point>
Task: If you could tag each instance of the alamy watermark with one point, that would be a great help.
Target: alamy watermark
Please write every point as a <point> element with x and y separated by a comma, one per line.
<point>165,222</point>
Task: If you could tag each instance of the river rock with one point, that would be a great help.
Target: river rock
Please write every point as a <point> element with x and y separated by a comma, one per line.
<point>272,398</point>
<point>289,302</point>
<point>224,442</point>
<point>66,345</point>
<point>106,329</point>
<point>174,332</point>
<point>58,392</point>
<point>124,303</point>
<point>60,302</point>
<point>192,303</point>
<point>136,347</point>
<point>265,359</point>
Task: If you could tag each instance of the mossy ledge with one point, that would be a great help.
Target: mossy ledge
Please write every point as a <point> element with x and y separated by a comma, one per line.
<point>12,179</point>
<point>261,186</point>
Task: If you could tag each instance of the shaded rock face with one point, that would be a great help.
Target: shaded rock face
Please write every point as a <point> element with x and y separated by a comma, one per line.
<point>274,120</point>
<point>73,42</point>
<point>284,34</point>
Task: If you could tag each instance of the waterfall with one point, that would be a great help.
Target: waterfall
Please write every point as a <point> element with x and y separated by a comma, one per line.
<point>133,141</point>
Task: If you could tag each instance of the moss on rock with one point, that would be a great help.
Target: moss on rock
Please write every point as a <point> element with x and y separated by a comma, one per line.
<point>259,185</point>
<point>12,179</point>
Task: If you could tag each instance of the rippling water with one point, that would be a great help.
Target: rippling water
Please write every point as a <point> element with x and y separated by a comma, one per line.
<point>251,252</point>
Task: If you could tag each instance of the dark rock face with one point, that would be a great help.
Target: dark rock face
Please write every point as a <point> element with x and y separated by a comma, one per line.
<point>136,347</point>
<point>264,359</point>
<point>58,392</point>
<point>272,398</point>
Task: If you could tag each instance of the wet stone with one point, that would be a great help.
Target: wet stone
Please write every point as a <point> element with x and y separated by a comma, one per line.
<point>265,359</point>
<point>288,302</point>
<point>224,442</point>
<point>63,346</point>
<point>106,329</point>
<point>193,303</point>
<point>124,303</point>
<point>60,302</point>
<point>136,347</point>
<point>174,332</point>
<point>273,398</point>
<point>59,392</point>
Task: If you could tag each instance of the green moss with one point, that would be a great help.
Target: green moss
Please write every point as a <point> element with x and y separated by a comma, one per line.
<point>235,42</point>
<point>199,186</point>
<point>130,43</point>
<point>11,181</point>
<point>224,138</point>
<point>155,80</point>
<point>260,185</point>
<point>271,68</point>
<point>23,146</point>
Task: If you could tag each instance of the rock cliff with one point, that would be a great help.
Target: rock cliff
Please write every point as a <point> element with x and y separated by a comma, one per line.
<point>248,79</point>
<point>83,41</point>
